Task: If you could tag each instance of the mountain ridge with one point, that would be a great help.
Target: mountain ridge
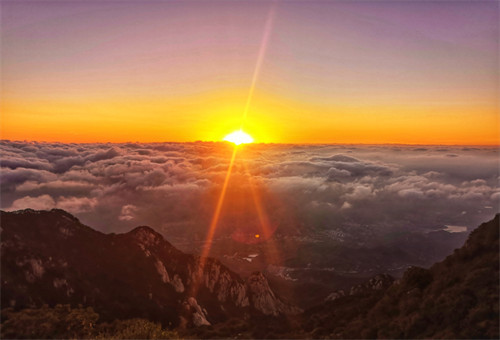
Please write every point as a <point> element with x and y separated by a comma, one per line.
<point>454,298</point>
<point>50,257</point>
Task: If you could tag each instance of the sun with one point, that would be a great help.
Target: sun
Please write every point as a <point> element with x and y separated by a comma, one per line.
<point>239,137</point>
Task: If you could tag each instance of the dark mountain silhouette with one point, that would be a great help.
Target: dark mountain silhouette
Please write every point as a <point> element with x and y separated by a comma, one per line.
<point>49,257</point>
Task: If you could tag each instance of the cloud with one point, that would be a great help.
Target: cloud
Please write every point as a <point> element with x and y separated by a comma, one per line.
<point>412,193</point>
<point>346,205</point>
<point>360,192</point>
<point>76,205</point>
<point>174,187</point>
<point>334,173</point>
<point>42,202</point>
<point>127,213</point>
<point>9,178</point>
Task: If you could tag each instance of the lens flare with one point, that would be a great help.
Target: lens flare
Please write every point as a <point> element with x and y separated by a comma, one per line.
<point>236,137</point>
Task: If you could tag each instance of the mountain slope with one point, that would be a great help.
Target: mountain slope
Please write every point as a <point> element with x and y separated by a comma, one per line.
<point>455,298</point>
<point>49,257</point>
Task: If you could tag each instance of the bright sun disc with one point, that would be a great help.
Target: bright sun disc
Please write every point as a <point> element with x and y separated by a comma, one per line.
<point>239,137</point>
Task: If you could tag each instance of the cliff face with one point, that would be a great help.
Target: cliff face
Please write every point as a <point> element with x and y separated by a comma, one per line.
<point>49,257</point>
<point>264,299</point>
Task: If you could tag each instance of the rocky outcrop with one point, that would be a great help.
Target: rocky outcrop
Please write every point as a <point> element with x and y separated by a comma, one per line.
<point>335,295</point>
<point>378,282</point>
<point>226,285</point>
<point>198,315</point>
<point>263,298</point>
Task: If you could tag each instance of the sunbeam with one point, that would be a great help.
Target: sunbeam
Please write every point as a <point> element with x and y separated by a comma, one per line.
<point>213,224</point>
<point>258,64</point>
<point>264,222</point>
<point>215,219</point>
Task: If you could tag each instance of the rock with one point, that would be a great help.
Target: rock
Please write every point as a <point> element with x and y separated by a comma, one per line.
<point>155,278</point>
<point>381,281</point>
<point>162,271</point>
<point>263,298</point>
<point>147,236</point>
<point>199,315</point>
<point>219,280</point>
<point>335,295</point>
<point>378,282</point>
<point>177,284</point>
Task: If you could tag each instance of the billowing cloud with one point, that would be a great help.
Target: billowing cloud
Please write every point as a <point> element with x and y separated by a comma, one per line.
<point>127,213</point>
<point>42,202</point>
<point>174,187</point>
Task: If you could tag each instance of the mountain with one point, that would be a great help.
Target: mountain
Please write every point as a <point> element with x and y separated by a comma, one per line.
<point>49,257</point>
<point>455,298</point>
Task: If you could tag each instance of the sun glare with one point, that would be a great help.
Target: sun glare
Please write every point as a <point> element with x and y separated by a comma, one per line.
<point>239,137</point>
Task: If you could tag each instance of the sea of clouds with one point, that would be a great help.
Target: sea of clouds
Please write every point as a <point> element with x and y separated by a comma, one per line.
<point>174,187</point>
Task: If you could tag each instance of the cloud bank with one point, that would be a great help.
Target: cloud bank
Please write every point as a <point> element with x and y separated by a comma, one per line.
<point>174,187</point>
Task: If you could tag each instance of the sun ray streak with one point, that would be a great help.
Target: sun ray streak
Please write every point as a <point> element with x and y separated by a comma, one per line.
<point>215,219</point>
<point>263,219</point>
<point>258,64</point>
<point>218,208</point>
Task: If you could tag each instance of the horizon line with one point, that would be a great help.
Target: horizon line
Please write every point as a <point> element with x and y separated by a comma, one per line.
<point>253,143</point>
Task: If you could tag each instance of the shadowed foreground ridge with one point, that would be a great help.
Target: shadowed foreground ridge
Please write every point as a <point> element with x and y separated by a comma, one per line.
<point>455,298</point>
<point>49,257</point>
<point>135,285</point>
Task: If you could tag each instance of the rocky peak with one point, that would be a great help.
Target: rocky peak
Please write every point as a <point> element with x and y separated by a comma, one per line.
<point>156,279</point>
<point>481,237</point>
<point>64,213</point>
<point>146,236</point>
<point>263,298</point>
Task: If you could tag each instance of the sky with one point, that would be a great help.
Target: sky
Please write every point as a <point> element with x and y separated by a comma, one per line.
<point>411,72</point>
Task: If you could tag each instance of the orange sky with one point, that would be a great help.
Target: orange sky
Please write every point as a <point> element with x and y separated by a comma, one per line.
<point>271,119</point>
<point>81,72</point>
